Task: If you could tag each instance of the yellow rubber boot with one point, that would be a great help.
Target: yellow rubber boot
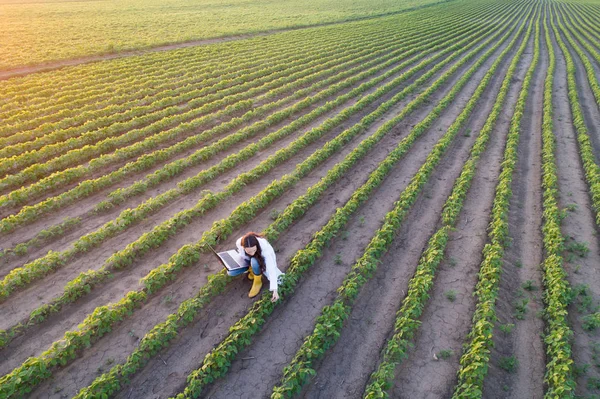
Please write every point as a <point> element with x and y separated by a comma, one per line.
<point>256,286</point>
<point>250,275</point>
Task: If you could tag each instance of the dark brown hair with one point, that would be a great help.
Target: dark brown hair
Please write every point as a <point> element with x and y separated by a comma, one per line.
<point>250,239</point>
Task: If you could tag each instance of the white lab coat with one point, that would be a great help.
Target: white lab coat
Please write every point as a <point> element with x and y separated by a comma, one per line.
<point>272,272</point>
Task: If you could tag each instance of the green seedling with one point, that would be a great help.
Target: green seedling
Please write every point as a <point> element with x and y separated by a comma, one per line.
<point>338,259</point>
<point>580,369</point>
<point>361,221</point>
<point>445,354</point>
<point>521,308</point>
<point>591,322</point>
<point>506,328</point>
<point>571,207</point>
<point>274,214</point>
<point>581,296</point>
<point>519,264</point>
<point>578,248</point>
<point>451,295</point>
<point>509,363</point>
<point>529,285</point>
<point>593,383</point>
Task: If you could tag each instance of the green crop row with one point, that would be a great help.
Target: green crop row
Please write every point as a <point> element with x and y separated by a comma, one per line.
<point>88,187</point>
<point>475,359</point>
<point>196,71</point>
<point>578,29</point>
<point>590,166</point>
<point>590,20</point>
<point>31,213</point>
<point>175,168</point>
<point>206,53</point>
<point>100,321</point>
<point>407,320</point>
<point>41,267</point>
<point>122,72</point>
<point>162,334</point>
<point>587,65</point>
<point>87,133</point>
<point>217,361</point>
<point>557,292</point>
<point>233,94</point>
<point>113,110</point>
<point>67,225</point>
<point>330,322</point>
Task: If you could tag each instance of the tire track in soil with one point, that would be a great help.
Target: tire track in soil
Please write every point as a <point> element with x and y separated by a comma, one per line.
<point>521,263</point>
<point>49,287</point>
<point>446,324</point>
<point>49,337</point>
<point>355,350</point>
<point>187,354</point>
<point>580,225</point>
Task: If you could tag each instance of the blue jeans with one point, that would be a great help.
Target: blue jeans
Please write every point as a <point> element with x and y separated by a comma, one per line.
<point>255,268</point>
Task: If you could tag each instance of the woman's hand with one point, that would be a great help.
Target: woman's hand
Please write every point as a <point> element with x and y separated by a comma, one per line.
<point>275,296</point>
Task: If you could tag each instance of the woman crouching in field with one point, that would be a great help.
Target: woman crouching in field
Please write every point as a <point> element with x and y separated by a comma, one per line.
<point>260,258</point>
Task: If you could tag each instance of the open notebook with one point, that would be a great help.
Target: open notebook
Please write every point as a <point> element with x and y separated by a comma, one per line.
<point>231,259</point>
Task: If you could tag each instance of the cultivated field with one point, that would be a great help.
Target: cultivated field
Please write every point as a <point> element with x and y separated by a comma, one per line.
<point>34,31</point>
<point>430,181</point>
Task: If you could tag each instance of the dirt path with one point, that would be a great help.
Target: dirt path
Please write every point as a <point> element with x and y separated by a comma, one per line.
<point>578,226</point>
<point>521,280</point>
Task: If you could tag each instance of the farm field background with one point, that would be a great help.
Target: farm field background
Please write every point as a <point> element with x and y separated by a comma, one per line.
<point>33,32</point>
<point>429,179</point>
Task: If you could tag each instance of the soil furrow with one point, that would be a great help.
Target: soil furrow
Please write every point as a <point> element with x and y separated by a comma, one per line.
<point>578,227</point>
<point>445,323</point>
<point>337,369</point>
<point>191,234</point>
<point>521,279</point>
<point>94,258</point>
<point>191,354</point>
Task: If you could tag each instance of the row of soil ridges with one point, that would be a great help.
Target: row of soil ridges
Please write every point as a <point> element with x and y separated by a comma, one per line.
<point>430,182</point>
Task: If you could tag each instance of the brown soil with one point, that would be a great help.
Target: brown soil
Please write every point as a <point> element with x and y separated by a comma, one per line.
<point>333,202</point>
<point>345,370</point>
<point>522,260</point>
<point>579,225</point>
<point>445,323</point>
